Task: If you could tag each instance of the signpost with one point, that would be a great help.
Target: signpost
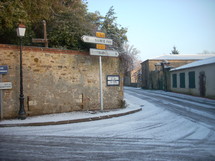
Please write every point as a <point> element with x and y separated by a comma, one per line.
<point>100,34</point>
<point>98,52</point>
<point>3,69</point>
<point>100,46</point>
<point>97,40</point>
<point>100,42</point>
<point>113,80</point>
<point>3,85</point>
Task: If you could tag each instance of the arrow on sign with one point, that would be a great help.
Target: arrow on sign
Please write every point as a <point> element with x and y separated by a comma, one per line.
<point>97,40</point>
<point>97,52</point>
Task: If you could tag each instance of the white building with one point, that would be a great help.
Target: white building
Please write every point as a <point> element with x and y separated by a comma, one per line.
<point>197,78</point>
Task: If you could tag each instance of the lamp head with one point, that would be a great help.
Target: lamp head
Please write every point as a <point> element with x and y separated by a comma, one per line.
<point>21,30</point>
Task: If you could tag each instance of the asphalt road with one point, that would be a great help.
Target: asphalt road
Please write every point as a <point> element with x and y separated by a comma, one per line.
<point>169,127</point>
<point>193,108</point>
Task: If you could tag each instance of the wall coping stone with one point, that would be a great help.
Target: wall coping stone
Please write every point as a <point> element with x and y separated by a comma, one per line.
<point>43,49</point>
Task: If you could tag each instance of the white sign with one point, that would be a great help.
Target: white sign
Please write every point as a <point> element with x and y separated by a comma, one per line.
<point>97,40</point>
<point>98,52</point>
<point>5,85</point>
<point>113,80</point>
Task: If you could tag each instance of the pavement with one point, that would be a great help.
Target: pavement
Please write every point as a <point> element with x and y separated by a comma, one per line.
<point>68,118</point>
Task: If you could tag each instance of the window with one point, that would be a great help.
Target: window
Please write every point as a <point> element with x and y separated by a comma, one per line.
<point>182,80</point>
<point>174,80</point>
<point>192,82</point>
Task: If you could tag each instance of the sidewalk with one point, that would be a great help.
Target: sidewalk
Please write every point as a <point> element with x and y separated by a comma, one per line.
<point>67,118</point>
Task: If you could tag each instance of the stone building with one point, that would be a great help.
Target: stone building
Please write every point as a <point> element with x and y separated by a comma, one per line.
<point>196,78</point>
<point>155,72</point>
<point>57,81</point>
<point>133,78</point>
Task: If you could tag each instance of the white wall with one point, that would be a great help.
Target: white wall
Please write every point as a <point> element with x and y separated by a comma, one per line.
<point>210,80</point>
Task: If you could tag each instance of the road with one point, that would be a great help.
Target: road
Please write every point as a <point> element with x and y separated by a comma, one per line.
<point>193,108</point>
<point>169,127</point>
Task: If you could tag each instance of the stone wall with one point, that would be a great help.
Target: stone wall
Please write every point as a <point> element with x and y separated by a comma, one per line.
<point>57,81</point>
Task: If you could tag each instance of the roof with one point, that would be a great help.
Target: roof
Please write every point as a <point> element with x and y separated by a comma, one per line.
<point>183,57</point>
<point>207,61</point>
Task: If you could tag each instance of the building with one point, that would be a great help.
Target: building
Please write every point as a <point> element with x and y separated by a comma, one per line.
<point>197,78</point>
<point>155,72</point>
<point>133,78</point>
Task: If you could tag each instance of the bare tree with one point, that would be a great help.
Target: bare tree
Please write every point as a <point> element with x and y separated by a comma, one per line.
<point>128,57</point>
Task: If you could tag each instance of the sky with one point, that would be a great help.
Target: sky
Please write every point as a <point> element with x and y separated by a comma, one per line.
<point>155,26</point>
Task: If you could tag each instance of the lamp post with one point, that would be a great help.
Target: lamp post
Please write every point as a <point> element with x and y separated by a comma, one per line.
<point>21,33</point>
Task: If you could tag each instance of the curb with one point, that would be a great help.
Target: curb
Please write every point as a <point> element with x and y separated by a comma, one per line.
<point>71,121</point>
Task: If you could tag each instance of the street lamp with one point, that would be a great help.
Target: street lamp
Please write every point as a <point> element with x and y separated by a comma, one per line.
<point>21,33</point>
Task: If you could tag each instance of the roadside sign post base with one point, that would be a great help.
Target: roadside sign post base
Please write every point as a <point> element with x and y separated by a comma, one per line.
<point>100,81</point>
<point>1,101</point>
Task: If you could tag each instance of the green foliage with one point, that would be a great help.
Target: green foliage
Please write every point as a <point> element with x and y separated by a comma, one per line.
<point>128,54</point>
<point>113,30</point>
<point>67,21</point>
<point>12,12</point>
<point>66,29</point>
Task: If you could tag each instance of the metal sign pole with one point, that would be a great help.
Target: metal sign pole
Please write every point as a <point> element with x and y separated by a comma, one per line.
<point>1,100</point>
<point>100,79</point>
<point>100,42</point>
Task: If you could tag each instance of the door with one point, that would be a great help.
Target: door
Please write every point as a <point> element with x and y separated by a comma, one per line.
<point>202,83</point>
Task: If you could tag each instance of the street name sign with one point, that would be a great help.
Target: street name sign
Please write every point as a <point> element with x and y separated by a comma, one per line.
<point>97,40</point>
<point>113,80</point>
<point>98,52</point>
<point>5,85</point>
<point>3,69</point>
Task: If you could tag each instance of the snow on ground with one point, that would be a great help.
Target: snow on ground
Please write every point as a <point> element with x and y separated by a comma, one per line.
<point>68,116</point>
<point>155,133</point>
<point>193,100</point>
<point>176,96</point>
<point>164,124</point>
<point>151,123</point>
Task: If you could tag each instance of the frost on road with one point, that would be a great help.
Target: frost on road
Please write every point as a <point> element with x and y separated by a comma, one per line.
<point>169,127</point>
